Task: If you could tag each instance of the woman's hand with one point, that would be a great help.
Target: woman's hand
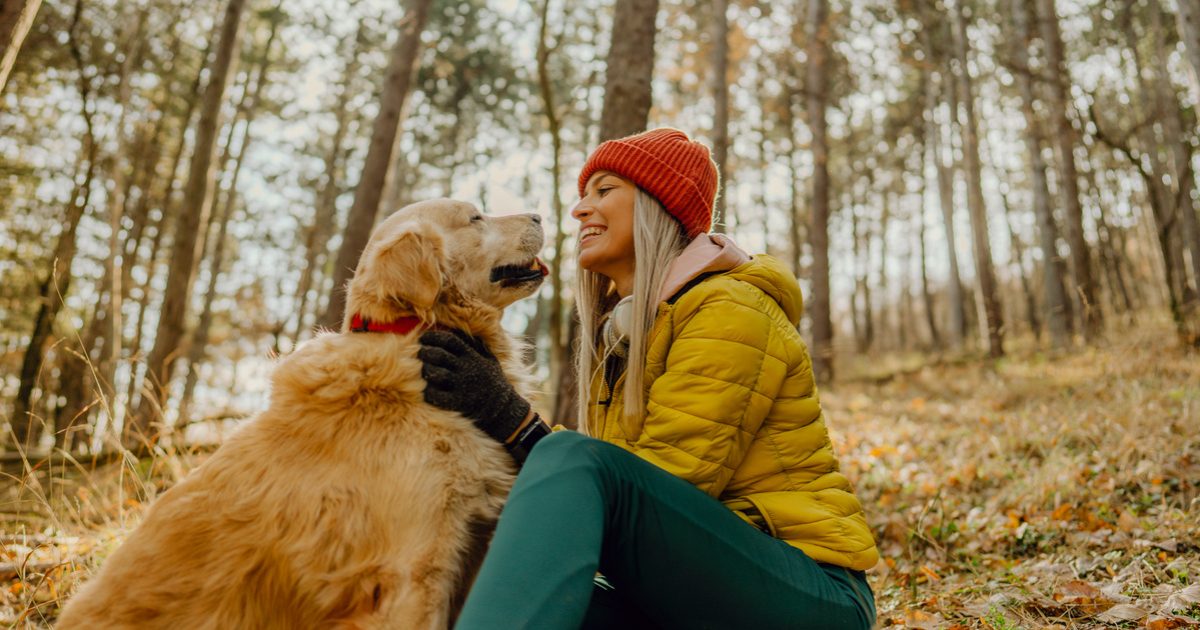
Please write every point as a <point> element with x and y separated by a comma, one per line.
<point>462,375</point>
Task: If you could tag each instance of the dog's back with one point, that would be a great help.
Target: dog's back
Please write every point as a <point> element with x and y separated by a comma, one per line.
<point>348,503</point>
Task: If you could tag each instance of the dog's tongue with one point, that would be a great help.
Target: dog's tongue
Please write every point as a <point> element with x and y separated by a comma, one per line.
<point>541,267</point>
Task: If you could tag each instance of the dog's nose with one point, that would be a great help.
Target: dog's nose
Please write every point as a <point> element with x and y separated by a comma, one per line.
<point>537,218</point>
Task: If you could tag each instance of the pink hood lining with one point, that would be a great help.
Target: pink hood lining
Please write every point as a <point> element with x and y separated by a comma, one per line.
<point>706,253</point>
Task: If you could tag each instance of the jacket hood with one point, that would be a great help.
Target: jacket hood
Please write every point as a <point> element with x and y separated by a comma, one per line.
<point>706,253</point>
<point>770,276</point>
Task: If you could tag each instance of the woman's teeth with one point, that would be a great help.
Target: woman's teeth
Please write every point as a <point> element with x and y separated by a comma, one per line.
<point>591,231</point>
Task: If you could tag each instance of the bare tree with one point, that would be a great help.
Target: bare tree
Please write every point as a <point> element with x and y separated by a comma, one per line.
<point>316,235</point>
<point>945,189</point>
<point>630,67</point>
<point>816,84</point>
<point>935,337</point>
<point>1068,180</point>
<point>80,375</point>
<point>627,98</point>
<point>558,344</point>
<point>1170,112</point>
<point>975,202</point>
<point>1188,23</point>
<point>248,109</point>
<point>198,192</point>
<point>720,92</point>
<point>16,16</point>
<point>58,282</point>
<point>1058,315</point>
<point>377,166</point>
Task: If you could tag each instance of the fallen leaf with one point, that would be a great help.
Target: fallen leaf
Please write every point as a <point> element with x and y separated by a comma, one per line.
<point>1167,622</point>
<point>922,620</point>
<point>1081,595</point>
<point>1123,612</point>
<point>1063,512</point>
<point>1182,599</point>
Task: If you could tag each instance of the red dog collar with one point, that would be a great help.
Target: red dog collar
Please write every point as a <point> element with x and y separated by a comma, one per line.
<point>401,326</point>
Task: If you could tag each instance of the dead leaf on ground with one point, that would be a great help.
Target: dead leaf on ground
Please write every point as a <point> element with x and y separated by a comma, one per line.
<point>1160,621</point>
<point>1123,612</point>
<point>1182,599</point>
<point>921,620</point>
<point>1082,596</point>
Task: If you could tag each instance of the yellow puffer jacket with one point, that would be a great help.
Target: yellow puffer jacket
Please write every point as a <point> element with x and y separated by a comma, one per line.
<point>733,409</point>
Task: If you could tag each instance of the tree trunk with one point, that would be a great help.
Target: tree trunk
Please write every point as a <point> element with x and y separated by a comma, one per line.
<point>1058,316</point>
<point>16,17</point>
<point>720,92</point>
<point>860,280</point>
<point>84,369</point>
<point>796,233</point>
<point>975,202</point>
<point>1031,310</point>
<point>816,84</point>
<point>1163,202</point>
<point>1170,112</point>
<point>141,212</point>
<point>945,185</point>
<point>248,108</point>
<point>626,109</point>
<point>1064,141</point>
<point>558,344</point>
<point>935,338</point>
<point>1188,22</point>
<point>198,192</point>
<point>398,80</point>
<point>56,286</point>
<point>112,330</point>
<point>630,67</point>
<point>316,243</point>
<point>885,217</point>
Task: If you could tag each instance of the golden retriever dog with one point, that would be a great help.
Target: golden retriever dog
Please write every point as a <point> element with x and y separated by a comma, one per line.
<point>349,502</point>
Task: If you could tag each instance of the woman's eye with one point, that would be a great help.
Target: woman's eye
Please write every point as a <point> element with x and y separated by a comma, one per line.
<point>604,191</point>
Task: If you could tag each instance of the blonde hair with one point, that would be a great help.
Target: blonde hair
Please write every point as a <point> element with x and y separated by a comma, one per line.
<point>658,240</point>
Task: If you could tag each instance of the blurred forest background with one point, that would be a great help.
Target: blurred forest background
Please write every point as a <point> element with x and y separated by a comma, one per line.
<point>991,206</point>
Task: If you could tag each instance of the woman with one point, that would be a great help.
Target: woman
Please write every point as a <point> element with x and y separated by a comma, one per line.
<point>707,494</point>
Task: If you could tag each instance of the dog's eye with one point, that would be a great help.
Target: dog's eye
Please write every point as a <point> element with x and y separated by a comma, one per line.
<point>477,218</point>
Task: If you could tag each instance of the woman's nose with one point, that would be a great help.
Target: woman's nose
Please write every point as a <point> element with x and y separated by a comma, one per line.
<point>580,212</point>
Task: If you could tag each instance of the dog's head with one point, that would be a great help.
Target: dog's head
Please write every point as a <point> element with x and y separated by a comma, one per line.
<point>445,253</point>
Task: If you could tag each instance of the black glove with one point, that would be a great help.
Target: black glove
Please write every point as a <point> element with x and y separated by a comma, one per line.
<point>462,375</point>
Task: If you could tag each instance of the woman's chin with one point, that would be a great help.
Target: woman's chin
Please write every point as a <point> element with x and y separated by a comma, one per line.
<point>588,260</point>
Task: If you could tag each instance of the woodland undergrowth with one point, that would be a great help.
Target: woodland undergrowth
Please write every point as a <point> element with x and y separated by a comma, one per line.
<point>1038,491</point>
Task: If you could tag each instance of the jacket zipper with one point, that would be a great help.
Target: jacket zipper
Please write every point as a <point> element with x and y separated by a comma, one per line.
<point>610,368</point>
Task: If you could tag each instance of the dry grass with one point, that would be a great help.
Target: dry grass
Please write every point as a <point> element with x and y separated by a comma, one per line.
<point>1036,491</point>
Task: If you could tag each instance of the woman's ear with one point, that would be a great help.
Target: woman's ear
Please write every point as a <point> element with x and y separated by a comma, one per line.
<point>405,266</point>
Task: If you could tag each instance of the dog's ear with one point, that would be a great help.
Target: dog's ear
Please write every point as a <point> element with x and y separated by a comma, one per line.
<point>405,266</point>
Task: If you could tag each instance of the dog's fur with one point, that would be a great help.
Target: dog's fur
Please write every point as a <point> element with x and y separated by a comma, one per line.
<point>349,502</point>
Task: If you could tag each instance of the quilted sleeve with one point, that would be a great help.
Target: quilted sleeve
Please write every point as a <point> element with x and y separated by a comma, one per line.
<point>722,372</point>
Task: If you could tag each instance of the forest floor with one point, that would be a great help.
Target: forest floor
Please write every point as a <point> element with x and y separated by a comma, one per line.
<point>1038,491</point>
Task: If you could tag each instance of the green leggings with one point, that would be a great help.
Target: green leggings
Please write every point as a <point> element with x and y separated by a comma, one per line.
<point>675,557</point>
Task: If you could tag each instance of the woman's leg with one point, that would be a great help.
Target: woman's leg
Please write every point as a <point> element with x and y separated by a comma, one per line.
<point>581,505</point>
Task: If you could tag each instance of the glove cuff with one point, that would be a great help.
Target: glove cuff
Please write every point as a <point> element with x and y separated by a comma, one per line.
<point>508,418</point>
<point>536,430</point>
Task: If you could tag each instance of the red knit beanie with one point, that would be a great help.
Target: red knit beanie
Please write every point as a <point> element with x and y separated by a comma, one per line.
<point>679,173</point>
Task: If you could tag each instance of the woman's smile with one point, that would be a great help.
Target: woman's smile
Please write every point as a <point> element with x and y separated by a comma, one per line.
<point>591,233</point>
